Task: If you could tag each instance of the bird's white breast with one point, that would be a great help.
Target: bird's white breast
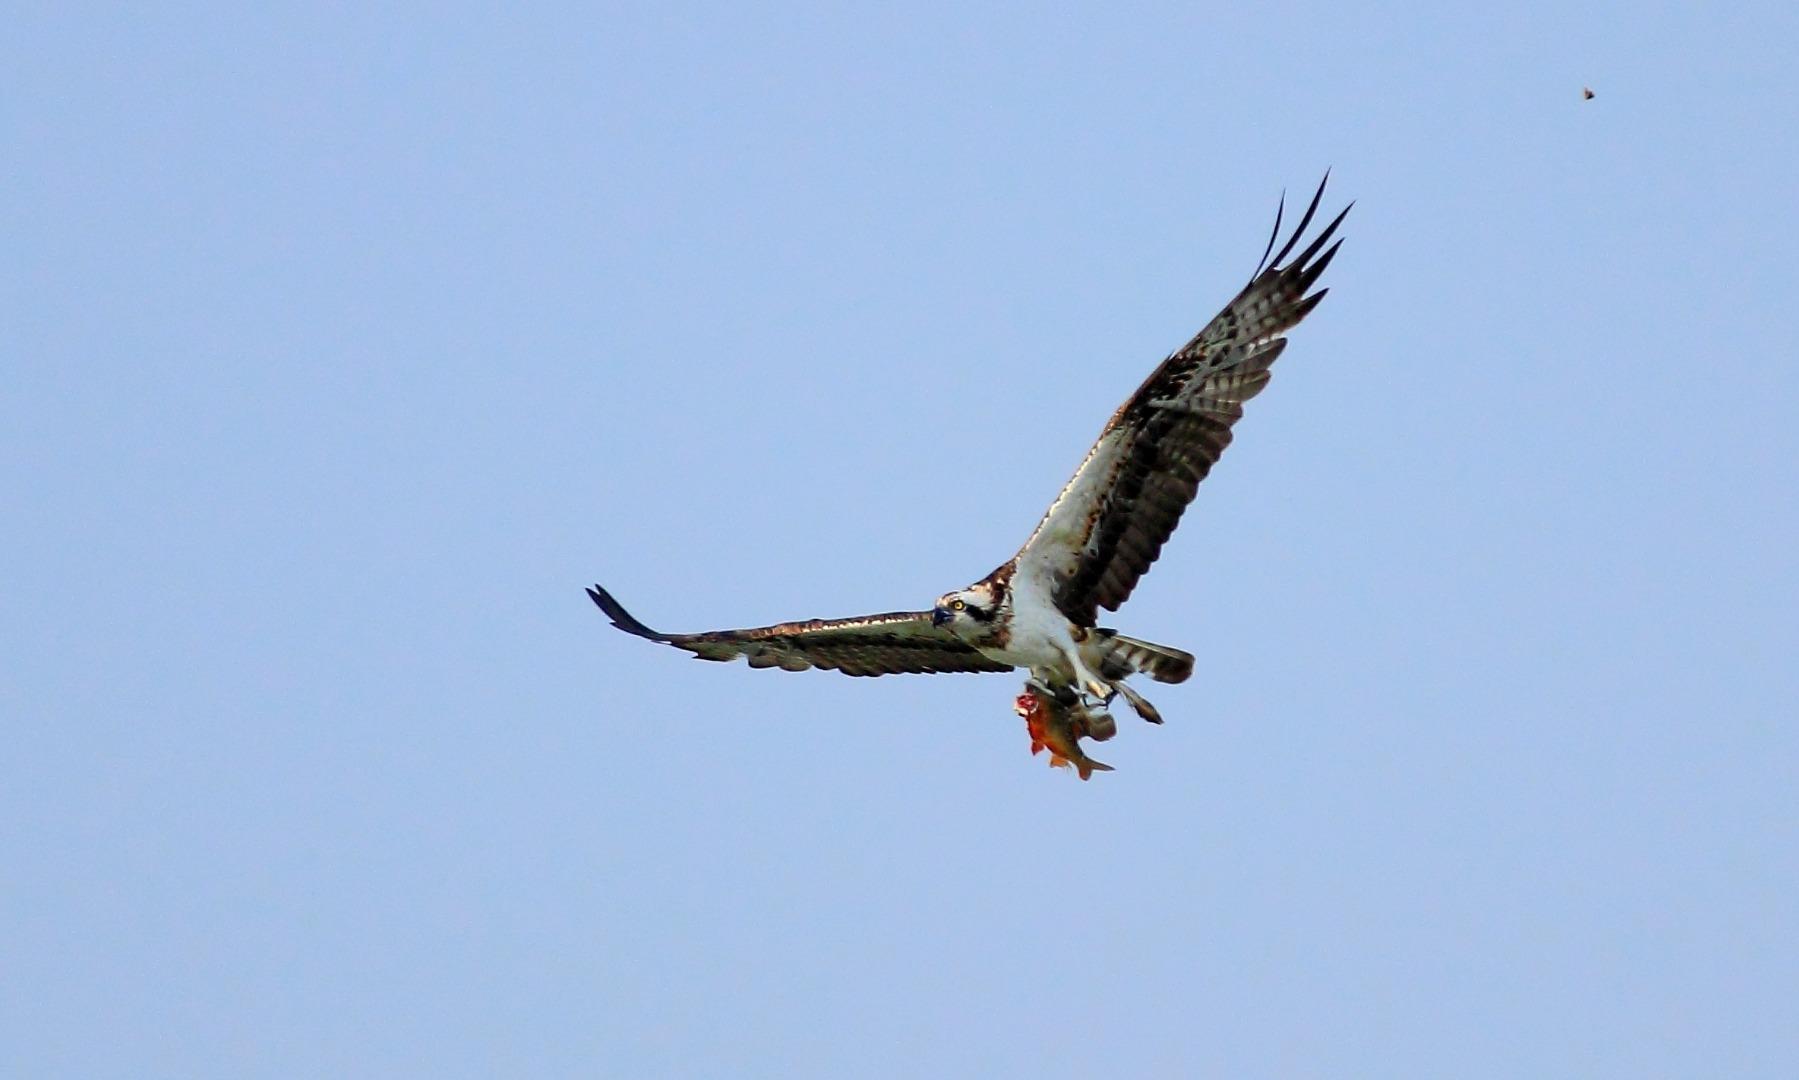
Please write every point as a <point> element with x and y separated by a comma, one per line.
<point>1039,633</point>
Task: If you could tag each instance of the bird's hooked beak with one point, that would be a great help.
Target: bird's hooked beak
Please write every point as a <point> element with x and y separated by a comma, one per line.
<point>939,615</point>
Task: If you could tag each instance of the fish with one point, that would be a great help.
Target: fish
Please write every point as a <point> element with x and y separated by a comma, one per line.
<point>1057,721</point>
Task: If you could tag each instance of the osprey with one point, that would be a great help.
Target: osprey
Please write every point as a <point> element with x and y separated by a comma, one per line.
<point>1039,609</point>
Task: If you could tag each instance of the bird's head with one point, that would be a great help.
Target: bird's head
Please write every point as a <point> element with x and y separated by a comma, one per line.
<point>968,611</point>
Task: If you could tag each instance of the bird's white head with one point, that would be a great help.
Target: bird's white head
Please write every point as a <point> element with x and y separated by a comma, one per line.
<point>969,613</point>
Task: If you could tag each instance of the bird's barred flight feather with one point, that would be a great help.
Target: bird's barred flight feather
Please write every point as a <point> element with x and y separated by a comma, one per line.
<point>1111,520</point>
<point>893,643</point>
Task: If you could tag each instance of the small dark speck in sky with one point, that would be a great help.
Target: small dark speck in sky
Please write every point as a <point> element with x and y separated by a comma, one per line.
<point>1586,93</point>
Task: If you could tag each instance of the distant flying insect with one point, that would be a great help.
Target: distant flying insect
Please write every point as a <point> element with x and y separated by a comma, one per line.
<point>1038,610</point>
<point>1586,93</point>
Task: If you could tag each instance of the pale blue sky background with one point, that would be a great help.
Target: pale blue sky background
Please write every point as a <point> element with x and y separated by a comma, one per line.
<point>342,347</point>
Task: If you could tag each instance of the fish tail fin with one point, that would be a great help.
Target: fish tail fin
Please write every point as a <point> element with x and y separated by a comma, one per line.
<point>1087,767</point>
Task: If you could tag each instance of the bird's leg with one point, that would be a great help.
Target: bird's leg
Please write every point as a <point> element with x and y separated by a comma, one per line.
<point>1095,692</point>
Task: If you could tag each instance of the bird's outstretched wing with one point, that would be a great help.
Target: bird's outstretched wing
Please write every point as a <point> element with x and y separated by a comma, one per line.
<point>1111,520</point>
<point>888,644</point>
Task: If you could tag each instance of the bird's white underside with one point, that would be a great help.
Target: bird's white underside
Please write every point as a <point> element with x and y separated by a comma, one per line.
<point>1042,639</point>
<point>1055,549</point>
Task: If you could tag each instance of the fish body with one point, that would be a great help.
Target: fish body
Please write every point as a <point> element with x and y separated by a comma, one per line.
<point>1057,722</point>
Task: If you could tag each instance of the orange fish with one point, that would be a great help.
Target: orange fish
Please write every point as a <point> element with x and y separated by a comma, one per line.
<point>1058,722</point>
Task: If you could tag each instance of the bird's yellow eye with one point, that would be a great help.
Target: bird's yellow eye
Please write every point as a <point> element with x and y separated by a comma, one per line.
<point>956,605</point>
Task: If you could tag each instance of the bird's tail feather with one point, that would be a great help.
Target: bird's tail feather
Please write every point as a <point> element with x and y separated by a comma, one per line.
<point>1160,662</point>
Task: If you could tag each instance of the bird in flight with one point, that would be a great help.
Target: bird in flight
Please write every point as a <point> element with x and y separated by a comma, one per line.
<point>1039,610</point>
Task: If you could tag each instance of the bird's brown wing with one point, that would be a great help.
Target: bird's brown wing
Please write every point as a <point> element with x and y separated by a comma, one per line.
<point>1111,520</point>
<point>888,644</point>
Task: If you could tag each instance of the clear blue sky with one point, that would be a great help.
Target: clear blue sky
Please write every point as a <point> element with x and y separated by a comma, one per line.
<point>343,347</point>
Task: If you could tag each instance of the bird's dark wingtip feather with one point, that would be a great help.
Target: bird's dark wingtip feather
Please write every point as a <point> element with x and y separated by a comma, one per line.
<point>620,617</point>
<point>1305,306</point>
<point>1313,272</point>
<point>1323,238</point>
<point>1306,220</point>
<point>1273,235</point>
